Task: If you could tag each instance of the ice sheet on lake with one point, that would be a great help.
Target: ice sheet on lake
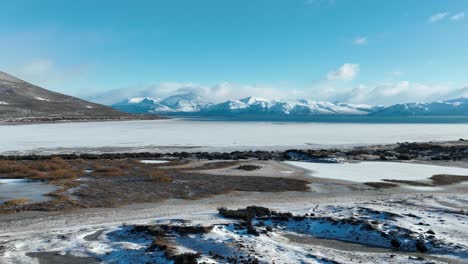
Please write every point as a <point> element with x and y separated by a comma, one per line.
<point>183,135</point>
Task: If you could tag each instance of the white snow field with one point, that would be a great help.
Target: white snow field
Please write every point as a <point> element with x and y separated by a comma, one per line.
<point>371,171</point>
<point>168,135</point>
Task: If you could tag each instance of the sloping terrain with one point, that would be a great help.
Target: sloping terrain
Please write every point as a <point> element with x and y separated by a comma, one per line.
<point>454,107</point>
<point>21,101</point>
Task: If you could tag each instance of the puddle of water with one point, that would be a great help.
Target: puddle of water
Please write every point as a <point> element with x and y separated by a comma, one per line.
<point>376,171</point>
<point>21,188</point>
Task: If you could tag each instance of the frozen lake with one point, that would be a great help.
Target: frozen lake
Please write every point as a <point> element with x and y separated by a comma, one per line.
<point>178,135</point>
<point>373,171</point>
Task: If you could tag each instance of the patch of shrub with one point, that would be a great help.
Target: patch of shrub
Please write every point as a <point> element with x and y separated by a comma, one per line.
<point>15,202</point>
<point>447,179</point>
<point>245,214</point>
<point>159,176</point>
<point>8,167</point>
<point>108,171</point>
<point>63,174</point>
<point>249,167</point>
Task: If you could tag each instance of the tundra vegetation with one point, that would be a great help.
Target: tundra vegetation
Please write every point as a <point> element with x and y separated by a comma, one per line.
<point>101,182</point>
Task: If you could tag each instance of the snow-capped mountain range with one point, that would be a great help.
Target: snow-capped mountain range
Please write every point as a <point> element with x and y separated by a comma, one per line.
<point>191,103</point>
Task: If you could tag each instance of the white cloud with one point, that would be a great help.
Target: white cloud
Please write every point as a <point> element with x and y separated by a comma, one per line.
<point>438,17</point>
<point>45,72</point>
<point>396,73</point>
<point>215,93</point>
<point>346,72</point>
<point>381,94</point>
<point>398,92</point>
<point>458,16</point>
<point>329,3</point>
<point>360,41</point>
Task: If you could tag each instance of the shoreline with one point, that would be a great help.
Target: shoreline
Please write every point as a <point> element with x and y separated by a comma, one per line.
<point>36,121</point>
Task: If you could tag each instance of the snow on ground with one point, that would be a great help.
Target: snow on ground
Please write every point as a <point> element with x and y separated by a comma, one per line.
<point>343,232</point>
<point>372,171</point>
<point>153,161</point>
<point>41,99</point>
<point>3,103</point>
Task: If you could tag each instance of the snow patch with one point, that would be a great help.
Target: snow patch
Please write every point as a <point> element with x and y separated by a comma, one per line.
<point>153,161</point>
<point>376,171</point>
<point>41,99</point>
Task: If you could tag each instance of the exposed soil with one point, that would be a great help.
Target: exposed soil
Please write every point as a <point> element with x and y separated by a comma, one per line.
<point>412,183</point>
<point>379,185</point>
<point>444,179</point>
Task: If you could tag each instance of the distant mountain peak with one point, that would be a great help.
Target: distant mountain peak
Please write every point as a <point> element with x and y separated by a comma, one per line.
<point>193,103</point>
<point>250,100</point>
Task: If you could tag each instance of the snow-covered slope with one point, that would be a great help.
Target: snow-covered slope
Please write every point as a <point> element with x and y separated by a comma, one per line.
<point>254,106</point>
<point>455,107</point>
<point>183,103</point>
<point>191,103</point>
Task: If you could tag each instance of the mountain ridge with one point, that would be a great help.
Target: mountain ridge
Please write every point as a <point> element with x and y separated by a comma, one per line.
<point>21,101</point>
<point>193,104</point>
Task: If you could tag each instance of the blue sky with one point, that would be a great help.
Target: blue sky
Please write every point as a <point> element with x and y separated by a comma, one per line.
<point>362,51</point>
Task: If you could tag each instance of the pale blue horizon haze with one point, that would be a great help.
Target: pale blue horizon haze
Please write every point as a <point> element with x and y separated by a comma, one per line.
<point>366,51</point>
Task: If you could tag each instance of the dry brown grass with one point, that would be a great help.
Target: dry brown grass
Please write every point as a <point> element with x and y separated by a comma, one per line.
<point>55,168</point>
<point>108,171</point>
<point>447,179</point>
<point>18,170</point>
<point>159,176</point>
<point>52,164</point>
<point>15,202</point>
<point>8,166</point>
<point>63,174</point>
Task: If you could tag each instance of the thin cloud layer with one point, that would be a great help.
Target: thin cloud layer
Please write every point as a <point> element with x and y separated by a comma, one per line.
<point>438,17</point>
<point>458,17</point>
<point>45,72</point>
<point>360,41</point>
<point>446,15</point>
<point>399,92</point>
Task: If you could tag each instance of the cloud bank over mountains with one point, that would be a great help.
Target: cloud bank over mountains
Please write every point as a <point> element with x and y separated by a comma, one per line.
<point>382,94</point>
<point>336,86</point>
